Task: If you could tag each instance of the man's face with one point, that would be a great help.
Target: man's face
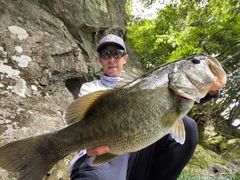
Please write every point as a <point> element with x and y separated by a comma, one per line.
<point>112,66</point>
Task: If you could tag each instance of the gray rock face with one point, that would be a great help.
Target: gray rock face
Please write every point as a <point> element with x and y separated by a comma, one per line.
<point>47,50</point>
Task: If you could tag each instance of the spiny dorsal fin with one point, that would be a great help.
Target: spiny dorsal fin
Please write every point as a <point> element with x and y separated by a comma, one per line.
<point>78,108</point>
<point>129,77</point>
<point>178,132</point>
<point>98,160</point>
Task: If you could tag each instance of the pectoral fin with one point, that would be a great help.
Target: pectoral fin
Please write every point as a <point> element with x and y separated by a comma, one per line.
<point>79,108</point>
<point>178,132</point>
<point>170,116</point>
<point>98,160</point>
<point>169,119</point>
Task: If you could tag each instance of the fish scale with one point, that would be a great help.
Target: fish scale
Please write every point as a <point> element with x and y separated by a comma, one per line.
<point>124,128</point>
<point>127,118</point>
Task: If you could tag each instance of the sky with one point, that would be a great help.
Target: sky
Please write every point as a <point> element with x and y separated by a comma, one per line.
<point>141,12</point>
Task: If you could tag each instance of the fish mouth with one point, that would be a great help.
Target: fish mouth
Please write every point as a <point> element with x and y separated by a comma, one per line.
<point>183,98</point>
<point>215,67</point>
<point>217,70</point>
<point>196,78</point>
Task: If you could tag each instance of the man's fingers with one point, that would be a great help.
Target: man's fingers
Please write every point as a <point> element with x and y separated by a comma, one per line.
<point>98,150</point>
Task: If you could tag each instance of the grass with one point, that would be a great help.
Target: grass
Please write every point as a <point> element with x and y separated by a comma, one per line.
<point>190,176</point>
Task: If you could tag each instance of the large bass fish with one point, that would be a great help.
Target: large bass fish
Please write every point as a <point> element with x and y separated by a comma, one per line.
<point>126,119</point>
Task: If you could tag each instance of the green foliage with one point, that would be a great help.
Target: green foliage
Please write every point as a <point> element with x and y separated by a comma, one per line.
<point>190,176</point>
<point>210,27</point>
<point>185,29</point>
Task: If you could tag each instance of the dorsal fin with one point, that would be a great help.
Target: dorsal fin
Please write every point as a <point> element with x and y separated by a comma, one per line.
<point>78,108</point>
<point>128,77</point>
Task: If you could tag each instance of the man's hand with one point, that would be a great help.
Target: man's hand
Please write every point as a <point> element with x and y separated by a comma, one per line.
<point>217,86</point>
<point>98,150</point>
<point>212,92</point>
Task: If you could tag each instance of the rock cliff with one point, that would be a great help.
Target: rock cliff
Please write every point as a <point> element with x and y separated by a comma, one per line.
<point>47,50</point>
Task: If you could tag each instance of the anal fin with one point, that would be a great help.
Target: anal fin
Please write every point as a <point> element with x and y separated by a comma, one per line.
<point>98,160</point>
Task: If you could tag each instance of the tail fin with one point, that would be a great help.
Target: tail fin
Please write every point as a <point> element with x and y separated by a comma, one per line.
<point>31,158</point>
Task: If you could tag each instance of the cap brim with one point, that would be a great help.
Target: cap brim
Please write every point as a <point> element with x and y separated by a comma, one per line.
<point>109,43</point>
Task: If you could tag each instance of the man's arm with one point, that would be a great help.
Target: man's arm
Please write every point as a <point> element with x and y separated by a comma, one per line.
<point>209,96</point>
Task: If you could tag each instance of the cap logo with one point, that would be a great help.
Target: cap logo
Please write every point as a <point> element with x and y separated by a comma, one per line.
<point>110,38</point>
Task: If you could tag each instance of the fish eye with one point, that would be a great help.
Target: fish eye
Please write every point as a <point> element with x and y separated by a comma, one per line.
<point>195,60</point>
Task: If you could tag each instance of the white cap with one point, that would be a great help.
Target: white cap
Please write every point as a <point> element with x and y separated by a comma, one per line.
<point>111,39</point>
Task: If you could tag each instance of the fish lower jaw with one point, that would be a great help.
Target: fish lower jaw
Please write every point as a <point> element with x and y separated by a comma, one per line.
<point>183,98</point>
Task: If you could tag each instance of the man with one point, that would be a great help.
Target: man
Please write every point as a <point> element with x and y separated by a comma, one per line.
<point>164,159</point>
